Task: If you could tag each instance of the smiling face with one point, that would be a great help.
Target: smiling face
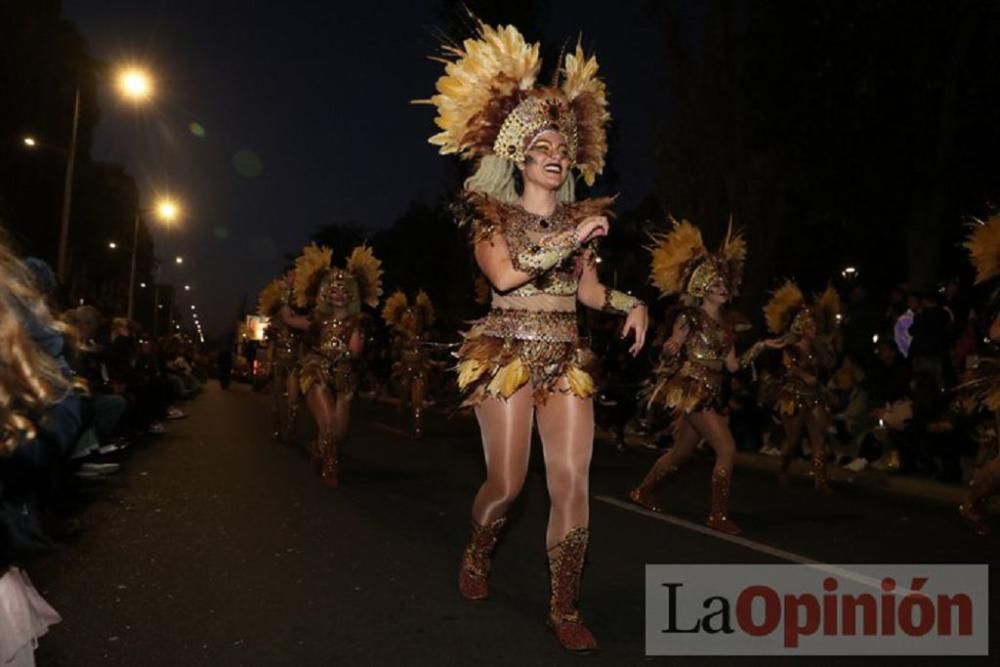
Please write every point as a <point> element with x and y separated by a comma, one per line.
<point>338,291</point>
<point>547,160</point>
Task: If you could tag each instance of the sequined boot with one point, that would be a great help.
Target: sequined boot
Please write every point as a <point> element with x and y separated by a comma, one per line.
<point>718,518</point>
<point>329,462</point>
<point>642,495</point>
<point>819,472</point>
<point>473,574</point>
<point>984,485</point>
<point>566,569</point>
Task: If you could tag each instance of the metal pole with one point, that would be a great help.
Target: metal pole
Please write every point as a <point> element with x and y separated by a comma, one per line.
<point>131,275</point>
<point>68,191</point>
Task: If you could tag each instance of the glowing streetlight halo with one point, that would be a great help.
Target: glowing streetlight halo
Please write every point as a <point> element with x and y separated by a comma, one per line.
<point>135,83</point>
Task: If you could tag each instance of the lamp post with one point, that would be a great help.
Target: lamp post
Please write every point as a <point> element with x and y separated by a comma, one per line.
<point>166,210</point>
<point>134,84</point>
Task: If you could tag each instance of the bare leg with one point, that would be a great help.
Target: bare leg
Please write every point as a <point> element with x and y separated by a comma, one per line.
<point>505,427</point>
<point>323,405</point>
<point>417,399</point>
<point>817,422</point>
<point>713,427</point>
<point>793,433</point>
<point>293,394</point>
<point>279,397</point>
<point>566,424</point>
<point>686,438</point>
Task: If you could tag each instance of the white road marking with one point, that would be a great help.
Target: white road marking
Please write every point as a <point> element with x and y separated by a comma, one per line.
<point>753,545</point>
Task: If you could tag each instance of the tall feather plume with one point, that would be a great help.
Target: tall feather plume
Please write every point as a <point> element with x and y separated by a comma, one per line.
<point>367,271</point>
<point>827,307</point>
<point>309,267</point>
<point>493,69</point>
<point>588,98</point>
<point>269,300</point>
<point>734,254</point>
<point>983,245</point>
<point>673,255</point>
<point>784,303</point>
<point>394,308</point>
<point>426,308</point>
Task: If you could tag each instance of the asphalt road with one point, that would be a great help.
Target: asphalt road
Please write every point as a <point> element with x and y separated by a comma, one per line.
<point>217,546</point>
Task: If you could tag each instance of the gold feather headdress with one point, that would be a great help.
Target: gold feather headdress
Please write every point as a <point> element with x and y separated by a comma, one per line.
<point>489,108</point>
<point>399,313</point>
<point>271,297</point>
<point>788,311</point>
<point>983,245</point>
<point>315,277</point>
<point>681,264</point>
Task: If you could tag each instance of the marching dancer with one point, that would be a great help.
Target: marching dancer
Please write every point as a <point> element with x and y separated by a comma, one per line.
<point>334,297</point>
<point>409,324</point>
<point>696,357</point>
<point>285,353</point>
<point>803,402</point>
<point>530,238</point>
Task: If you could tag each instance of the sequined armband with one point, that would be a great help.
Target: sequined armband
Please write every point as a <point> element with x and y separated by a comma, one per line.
<point>748,357</point>
<point>548,252</point>
<point>619,302</point>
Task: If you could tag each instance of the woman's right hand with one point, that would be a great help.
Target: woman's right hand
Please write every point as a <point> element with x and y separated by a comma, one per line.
<point>592,228</point>
<point>679,336</point>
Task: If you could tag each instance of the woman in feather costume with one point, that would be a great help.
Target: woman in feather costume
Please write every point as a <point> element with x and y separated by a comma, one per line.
<point>522,361</point>
<point>276,303</point>
<point>689,377</point>
<point>335,340</point>
<point>803,402</point>
<point>984,251</point>
<point>409,323</point>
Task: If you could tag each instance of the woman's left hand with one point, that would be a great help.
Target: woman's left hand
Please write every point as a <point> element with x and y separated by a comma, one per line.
<point>636,322</point>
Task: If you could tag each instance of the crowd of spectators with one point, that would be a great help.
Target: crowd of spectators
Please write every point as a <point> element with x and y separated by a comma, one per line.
<point>80,388</point>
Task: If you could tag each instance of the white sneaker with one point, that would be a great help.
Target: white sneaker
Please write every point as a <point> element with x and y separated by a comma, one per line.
<point>174,413</point>
<point>857,465</point>
<point>100,468</point>
<point>157,428</point>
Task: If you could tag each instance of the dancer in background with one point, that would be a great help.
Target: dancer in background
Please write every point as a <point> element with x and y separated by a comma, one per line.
<point>984,252</point>
<point>333,297</point>
<point>803,401</point>
<point>531,239</point>
<point>285,353</point>
<point>700,351</point>
<point>410,323</point>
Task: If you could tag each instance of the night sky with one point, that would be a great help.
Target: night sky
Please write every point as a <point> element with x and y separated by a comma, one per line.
<point>272,119</point>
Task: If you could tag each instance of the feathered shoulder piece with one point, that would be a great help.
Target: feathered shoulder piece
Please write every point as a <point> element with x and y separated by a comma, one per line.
<point>309,268</point>
<point>425,308</point>
<point>395,306</point>
<point>367,271</point>
<point>675,255</point>
<point>983,245</point>
<point>271,298</point>
<point>784,304</point>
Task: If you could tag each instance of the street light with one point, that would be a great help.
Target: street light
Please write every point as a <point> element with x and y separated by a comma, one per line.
<point>179,259</point>
<point>112,245</point>
<point>134,84</point>
<point>30,142</point>
<point>187,288</point>
<point>166,210</point>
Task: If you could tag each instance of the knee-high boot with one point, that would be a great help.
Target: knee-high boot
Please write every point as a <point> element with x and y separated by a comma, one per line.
<point>473,574</point>
<point>718,518</point>
<point>566,569</point>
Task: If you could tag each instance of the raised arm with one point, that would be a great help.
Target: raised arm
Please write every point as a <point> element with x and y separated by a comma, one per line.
<point>289,317</point>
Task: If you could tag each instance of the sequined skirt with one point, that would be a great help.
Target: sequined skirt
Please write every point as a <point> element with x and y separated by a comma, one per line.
<point>797,395</point>
<point>508,349</point>
<point>337,374</point>
<point>685,387</point>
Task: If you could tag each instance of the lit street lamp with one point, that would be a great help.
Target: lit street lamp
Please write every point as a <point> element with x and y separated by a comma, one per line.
<point>136,85</point>
<point>30,142</point>
<point>179,259</point>
<point>166,210</point>
<point>113,245</point>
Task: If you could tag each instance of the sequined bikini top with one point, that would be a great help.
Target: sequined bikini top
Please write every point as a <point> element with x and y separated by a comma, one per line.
<point>708,340</point>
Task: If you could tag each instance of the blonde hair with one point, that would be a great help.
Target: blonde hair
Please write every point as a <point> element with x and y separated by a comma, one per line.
<point>30,379</point>
<point>495,177</point>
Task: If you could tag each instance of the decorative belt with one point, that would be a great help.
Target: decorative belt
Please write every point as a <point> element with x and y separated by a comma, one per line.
<point>536,325</point>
